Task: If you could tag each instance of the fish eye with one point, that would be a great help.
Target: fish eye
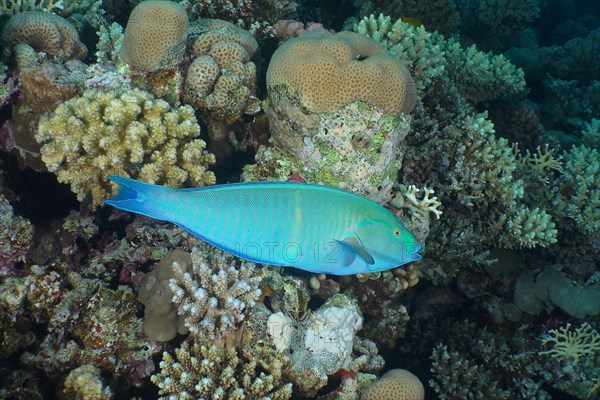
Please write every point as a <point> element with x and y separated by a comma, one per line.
<point>397,232</point>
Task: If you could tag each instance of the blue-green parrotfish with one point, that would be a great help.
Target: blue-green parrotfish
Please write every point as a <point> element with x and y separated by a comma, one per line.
<point>312,227</point>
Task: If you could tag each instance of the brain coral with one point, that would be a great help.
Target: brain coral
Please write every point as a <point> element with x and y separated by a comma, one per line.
<point>155,35</point>
<point>128,133</point>
<point>396,384</point>
<point>329,71</point>
<point>44,32</point>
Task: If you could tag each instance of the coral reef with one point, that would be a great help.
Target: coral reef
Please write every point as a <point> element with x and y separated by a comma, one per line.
<point>206,368</point>
<point>356,148</point>
<point>155,35</point>
<point>328,71</point>
<point>97,326</point>
<point>321,345</point>
<point>43,31</point>
<point>254,15</point>
<point>124,132</point>
<point>16,234</point>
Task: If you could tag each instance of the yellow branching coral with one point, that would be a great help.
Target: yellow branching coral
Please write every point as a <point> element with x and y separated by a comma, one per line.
<point>572,345</point>
<point>212,370</point>
<point>130,133</point>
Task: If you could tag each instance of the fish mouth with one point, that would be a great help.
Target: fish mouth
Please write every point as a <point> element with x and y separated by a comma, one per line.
<point>414,254</point>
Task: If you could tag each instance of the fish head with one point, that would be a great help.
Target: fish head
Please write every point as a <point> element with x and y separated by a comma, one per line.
<point>389,241</point>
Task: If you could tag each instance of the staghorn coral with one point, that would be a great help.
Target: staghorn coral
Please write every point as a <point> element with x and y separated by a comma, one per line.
<point>356,148</point>
<point>207,368</point>
<point>122,132</point>
<point>215,295</point>
<point>43,31</point>
<point>328,71</point>
<point>487,366</point>
<point>501,20</point>
<point>16,234</point>
<point>155,35</point>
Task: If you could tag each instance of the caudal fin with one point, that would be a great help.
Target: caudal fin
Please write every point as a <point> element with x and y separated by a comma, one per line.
<point>138,197</point>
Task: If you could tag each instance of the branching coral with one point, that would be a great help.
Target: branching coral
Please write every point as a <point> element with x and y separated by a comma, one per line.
<point>123,132</point>
<point>216,294</point>
<point>577,192</point>
<point>206,369</point>
<point>477,76</point>
<point>572,345</point>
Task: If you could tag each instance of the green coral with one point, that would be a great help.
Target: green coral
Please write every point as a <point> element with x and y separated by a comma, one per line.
<point>476,75</point>
<point>123,132</point>
<point>577,194</point>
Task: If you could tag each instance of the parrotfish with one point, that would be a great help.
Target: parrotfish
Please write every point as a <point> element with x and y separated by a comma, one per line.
<point>307,226</point>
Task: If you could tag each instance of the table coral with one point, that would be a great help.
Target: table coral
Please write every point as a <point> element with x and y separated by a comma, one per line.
<point>155,35</point>
<point>206,369</point>
<point>44,32</point>
<point>328,71</point>
<point>123,132</point>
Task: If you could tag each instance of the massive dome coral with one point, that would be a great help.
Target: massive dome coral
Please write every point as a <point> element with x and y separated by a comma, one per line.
<point>155,35</point>
<point>329,71</point>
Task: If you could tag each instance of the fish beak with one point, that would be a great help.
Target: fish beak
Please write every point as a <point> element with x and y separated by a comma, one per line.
<point>415,253</point>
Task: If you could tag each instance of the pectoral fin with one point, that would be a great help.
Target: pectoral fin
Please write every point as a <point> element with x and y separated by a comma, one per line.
<point>352,244</point>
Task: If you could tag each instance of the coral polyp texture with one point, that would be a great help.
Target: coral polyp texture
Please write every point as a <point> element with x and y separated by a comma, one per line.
<point>155,35</point>
<point>215,370</point>
<point>396,384</point>
<point>43,31</point>
<point>127,132</point>
<point>328,71</point>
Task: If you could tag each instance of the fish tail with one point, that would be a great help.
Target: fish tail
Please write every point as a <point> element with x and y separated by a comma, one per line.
<point>138,197</point>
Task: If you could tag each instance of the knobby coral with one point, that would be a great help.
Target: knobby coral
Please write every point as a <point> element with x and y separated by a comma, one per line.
<point>123,132</point>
